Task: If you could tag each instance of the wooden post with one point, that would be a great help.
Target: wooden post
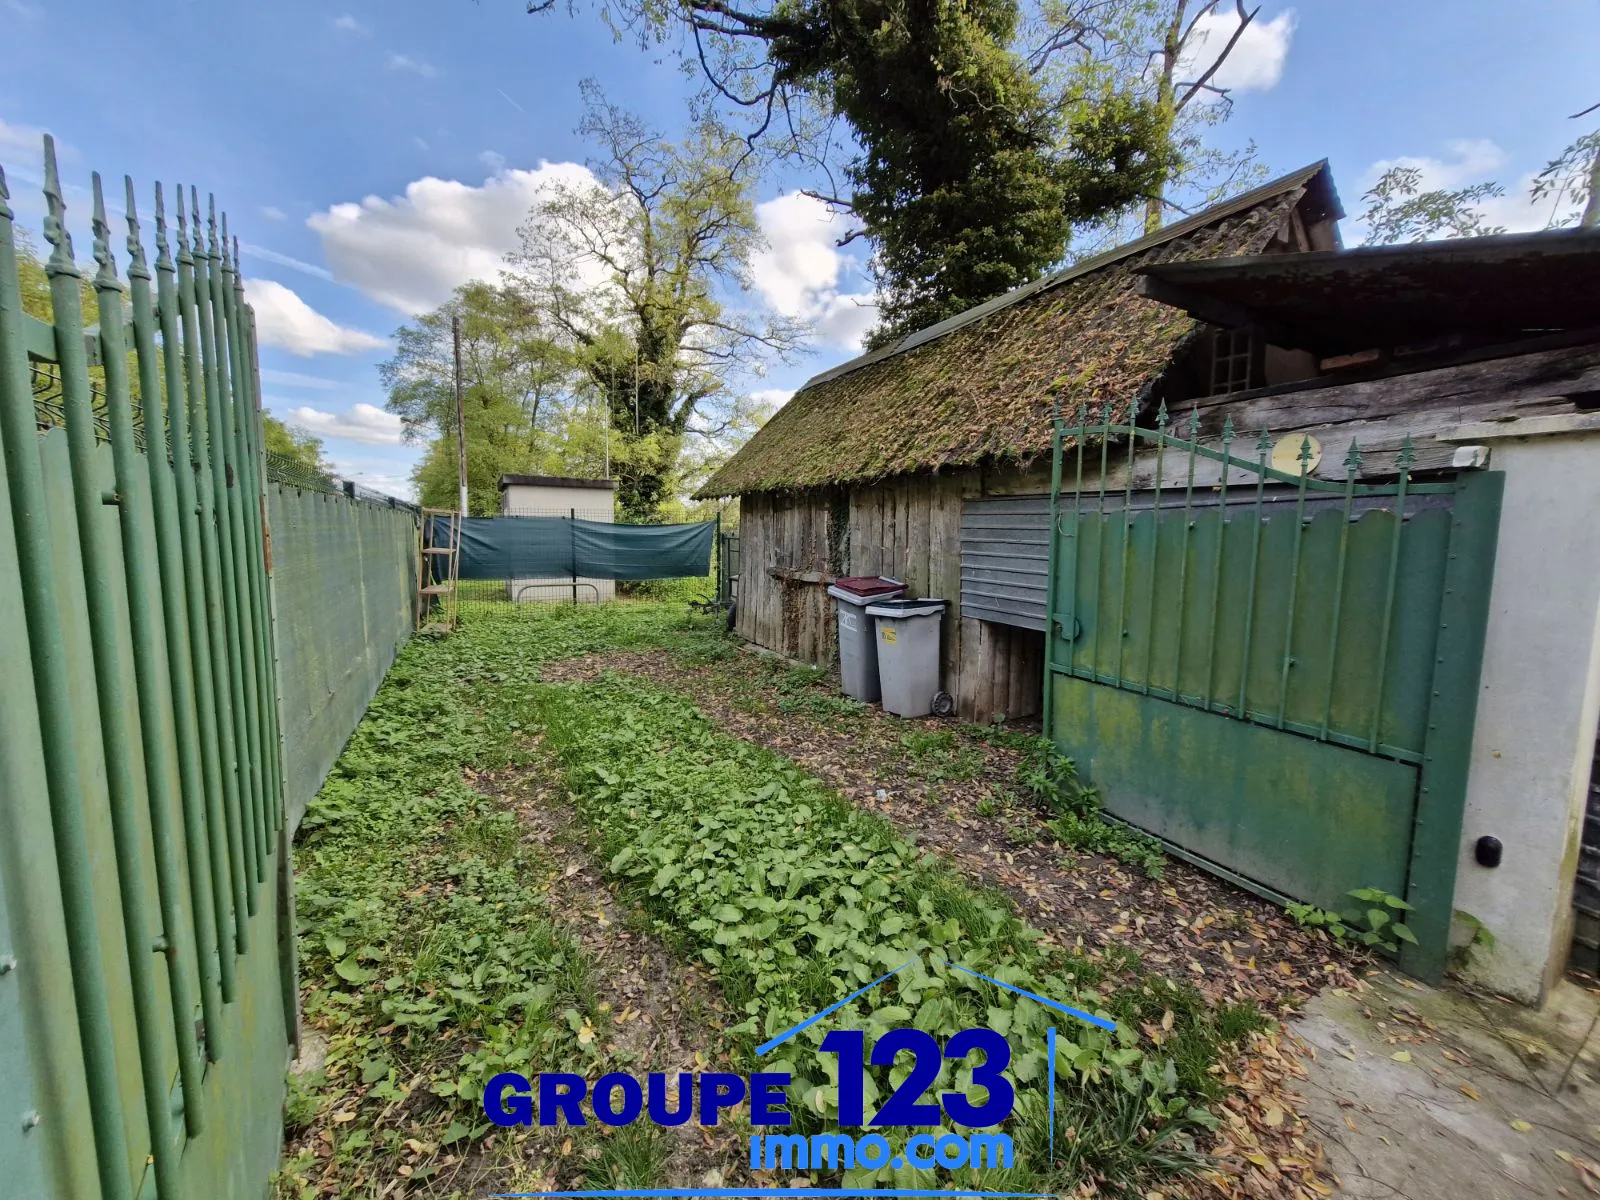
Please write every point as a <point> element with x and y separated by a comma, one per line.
<point>461,417</point>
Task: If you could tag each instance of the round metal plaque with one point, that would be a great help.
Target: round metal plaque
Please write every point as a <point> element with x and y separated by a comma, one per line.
<point>1286,453</point>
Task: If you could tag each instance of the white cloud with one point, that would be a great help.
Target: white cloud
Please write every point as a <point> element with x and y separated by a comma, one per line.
<point>349,24</point>
<point>26,143</point>
<point>288,322</point>
<point>800,270</point>
<point>283,260</point>
<point>364,423</point>
<point>1256,62</point>
<point>847,319</point>
<point>295,380</point>
<point>273,213</point>
<point>397,486</point>
<point>493,159</point>
<point>410,252</point>
<point>1467,161</point>
<point>419,66</point>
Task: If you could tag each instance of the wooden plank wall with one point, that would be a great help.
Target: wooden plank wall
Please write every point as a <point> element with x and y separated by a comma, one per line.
<point>784,555</point>
<point>908,528</point>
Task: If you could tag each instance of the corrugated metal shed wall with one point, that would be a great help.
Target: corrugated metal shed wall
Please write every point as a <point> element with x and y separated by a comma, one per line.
<point>1005,554</point>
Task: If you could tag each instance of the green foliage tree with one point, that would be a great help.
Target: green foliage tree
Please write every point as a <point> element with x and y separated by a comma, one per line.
<point>1169,54</point>
<point>302,447</point>
<point>964,172</point>
<point>970,179</point>
<point>513,393</point>
<point>1398,210</point>
<point>1573,176</point>
<point>640,278</point>
<point>35,284</point>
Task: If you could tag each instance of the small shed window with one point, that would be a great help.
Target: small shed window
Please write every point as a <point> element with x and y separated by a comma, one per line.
<point>1235,361</point>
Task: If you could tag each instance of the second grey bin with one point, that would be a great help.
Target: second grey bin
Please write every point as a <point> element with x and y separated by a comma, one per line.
<point>908,653</point>
<point>858,652</point>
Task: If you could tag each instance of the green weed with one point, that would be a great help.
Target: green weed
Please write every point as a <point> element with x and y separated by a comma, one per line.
<point>1051,781</point>
<point>795,898</point>
<point>937,755</point>
<point>1377,920</point>
<point>634,1156</point>
<point>430,964</point>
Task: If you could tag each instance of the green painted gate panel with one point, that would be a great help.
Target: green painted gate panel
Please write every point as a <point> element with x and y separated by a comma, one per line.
<point>1299,817</point>
<point>1275,674</point>
<point>1174,624</point>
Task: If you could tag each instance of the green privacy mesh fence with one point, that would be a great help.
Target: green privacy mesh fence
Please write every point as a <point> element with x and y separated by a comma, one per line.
<point>344,582</point>
<point>548,547</point>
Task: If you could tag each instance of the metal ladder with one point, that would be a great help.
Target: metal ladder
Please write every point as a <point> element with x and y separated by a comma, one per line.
<point>436,582</point>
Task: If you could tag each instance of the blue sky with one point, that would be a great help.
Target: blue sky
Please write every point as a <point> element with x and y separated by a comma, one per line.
<point>371,155</point>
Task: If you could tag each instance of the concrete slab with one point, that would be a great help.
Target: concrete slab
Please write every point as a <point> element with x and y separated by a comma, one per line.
<point>1428,1094</point>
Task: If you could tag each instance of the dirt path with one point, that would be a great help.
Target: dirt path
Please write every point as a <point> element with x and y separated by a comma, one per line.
<point>1186,925</point>
<point>656,1008</point>
<point>958,802</point>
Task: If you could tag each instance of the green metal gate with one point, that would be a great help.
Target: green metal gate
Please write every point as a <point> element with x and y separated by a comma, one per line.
<point>146,954</point>
<point>1275,674</point>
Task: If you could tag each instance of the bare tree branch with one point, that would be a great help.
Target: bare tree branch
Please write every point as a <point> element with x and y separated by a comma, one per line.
<point>1244,22</point>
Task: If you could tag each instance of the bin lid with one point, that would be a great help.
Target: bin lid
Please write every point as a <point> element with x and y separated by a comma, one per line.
<point>926,606</point>
<point>866,587</point>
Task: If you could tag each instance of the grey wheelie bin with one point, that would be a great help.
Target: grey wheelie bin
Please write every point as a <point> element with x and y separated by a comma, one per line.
<point>908,653</point>
<point>858,652</point>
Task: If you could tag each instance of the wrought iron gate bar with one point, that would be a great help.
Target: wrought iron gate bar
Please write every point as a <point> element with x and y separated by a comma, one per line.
<point>1216,564</point>
<point>1352,465</point>
<point>1263,448</point>
<point>1155,549</point>
<point>1127,549</point>
<point>1183,554</point>
<point>1406,458</point>
<point>1294,580</point>
<point>1100,525</point>
<point>1310,497</point>
<point>1199,449</point>
<point>1368,786</point>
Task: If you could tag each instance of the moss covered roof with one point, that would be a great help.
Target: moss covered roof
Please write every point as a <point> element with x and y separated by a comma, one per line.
<point>979,386</point>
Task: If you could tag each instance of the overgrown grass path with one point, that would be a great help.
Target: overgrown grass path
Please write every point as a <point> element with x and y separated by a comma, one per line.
<point>451,927</point>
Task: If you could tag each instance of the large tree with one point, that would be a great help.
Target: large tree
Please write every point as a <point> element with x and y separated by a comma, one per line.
<point>643,275</point>
<point>515,400</point>
<point>964,172</point>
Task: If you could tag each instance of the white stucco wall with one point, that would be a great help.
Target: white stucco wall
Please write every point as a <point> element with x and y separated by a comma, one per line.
<point>1538,700</point>
<point>547,500</point>
<point>592,504</point>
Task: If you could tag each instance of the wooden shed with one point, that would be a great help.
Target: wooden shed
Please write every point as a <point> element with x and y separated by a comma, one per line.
<point>879,465</point>
<point>1438,404</point>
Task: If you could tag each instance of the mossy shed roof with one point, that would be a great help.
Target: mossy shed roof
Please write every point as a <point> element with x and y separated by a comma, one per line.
<point>979,386</point>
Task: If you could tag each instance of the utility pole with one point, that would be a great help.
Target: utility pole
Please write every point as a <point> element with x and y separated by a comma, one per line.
<point>461,416</point>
